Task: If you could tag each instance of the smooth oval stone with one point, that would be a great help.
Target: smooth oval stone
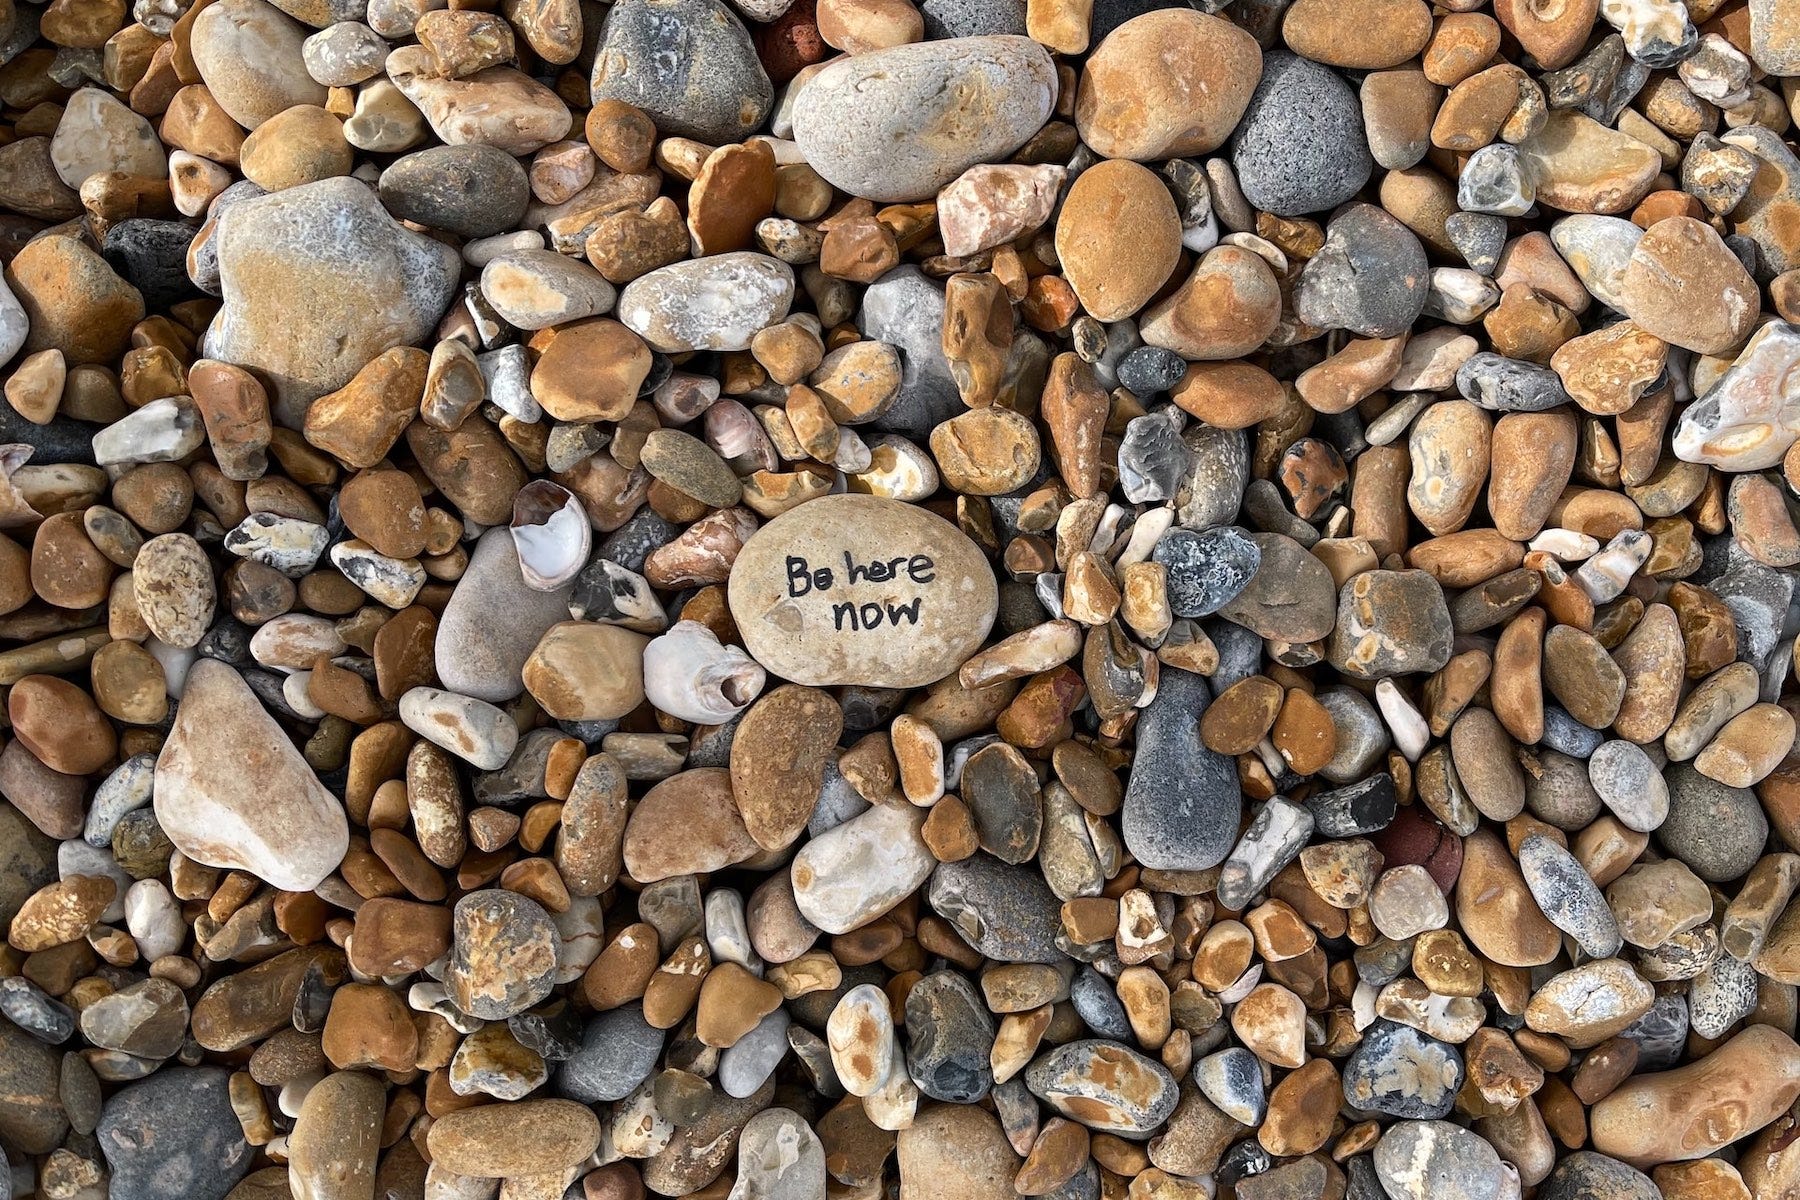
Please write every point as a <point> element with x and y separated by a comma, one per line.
<point>1183,803</point>
<point>337,1137</point>
<point>689,64</point>
<point>714,303</point>
<point>232,791</point>
<point>174,1136</point>
<point>1422,1160</point>
<point>471,191</point>
<point>1105,1086</point>
<point>494,621</point>
<point>900,123</point>
<point>856,871</point>
<point>815,606</point>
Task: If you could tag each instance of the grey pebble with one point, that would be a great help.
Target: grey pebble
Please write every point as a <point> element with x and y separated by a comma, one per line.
<point>1370,277</point>
<point>1367,806</point>
<point>974,18</point>
<point>1717,830</point>
<point>472,191</point>
<point>1183,802</point>
<point>949,1039</point>
<point>1424,1160</point>
<point>618,1051</point>
<point>1586,1175</point>
<point>493,622</point>
<point>1721,995</point>
<point>1567,735</point>
<point>1661,1033</point>
<point>1218,472</point>
<point>1568,897</point>
<point>747,1064</point>
<point>35,1011</point>
<point>1233,1080</point>
<point>1300,147</point>
<point>1007,913</point>
<point>1503,384</point>
<point>1400,1071</point>
<point>1153,459</point>
<point>1362,735</point>
<point>151,255</point>
<point>906,310</point>
<point>173,1136</point>
<point>1097,1004</point>
<point>689,64</point>
<point>1478,237</point>
<point>1628,782</point>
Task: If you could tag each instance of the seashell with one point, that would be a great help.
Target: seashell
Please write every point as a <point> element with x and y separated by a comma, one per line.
<point>690,675</point>
<point>551,532</point>
<point>15,509</point>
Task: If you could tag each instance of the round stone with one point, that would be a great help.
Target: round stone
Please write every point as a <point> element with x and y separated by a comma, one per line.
<point>1118,237</point>
<point>814,607</point>
<point>1167,84</point>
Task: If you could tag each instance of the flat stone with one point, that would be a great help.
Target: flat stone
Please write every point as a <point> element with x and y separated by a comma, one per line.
<point>1183,802</point>
<point>1104,1086</point>
<point>494,621</point>
<point>715,303</point>
<point>860,869</point>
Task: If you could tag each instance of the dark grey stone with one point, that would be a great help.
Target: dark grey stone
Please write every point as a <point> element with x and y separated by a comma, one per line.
<point>1206,571</point>
<point>472,191</point>
<point>973,18</point>
<point>151,256</point>
<point>949,1039</point>
<point>1153,459</point>
<point>1097,1004</point>
<point>1007,913</point>
<point>1183,802</point>
<point>1300,147</point>
<point>1503,384</point>
<point>1478,237</point>
<point>618,1051</point>
<point>174,1136</point>
<point>1363,807</point>
<point>1151,370</point>
<point>1586,1174</point>
<point>1370,277</point>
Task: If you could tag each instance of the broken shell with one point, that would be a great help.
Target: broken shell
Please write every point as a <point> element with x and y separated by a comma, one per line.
<point>551,533</point>
<point>690,675</point>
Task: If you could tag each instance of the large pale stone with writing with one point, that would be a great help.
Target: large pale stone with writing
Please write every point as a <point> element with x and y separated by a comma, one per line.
<point>232,791</point>
<point>856,589</point>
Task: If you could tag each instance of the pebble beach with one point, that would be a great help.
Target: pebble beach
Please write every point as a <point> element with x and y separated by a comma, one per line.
<point>899,599</point>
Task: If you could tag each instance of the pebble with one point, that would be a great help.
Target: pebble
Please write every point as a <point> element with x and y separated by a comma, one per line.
<point>1400,1071</point>
<point>720,93</point>
<point>898,124</point>
<point>1104,1086</point>
<point>714,303</point>
<point>1201,73</point>
<point>1300,146</point>
<point>493,623</point>
<point>1369,277</point>
<point>618,1052</point>
<point>1416,1159</point>
<point>172,1135</point>
<point>264,813</point>
<point>277,274</point>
